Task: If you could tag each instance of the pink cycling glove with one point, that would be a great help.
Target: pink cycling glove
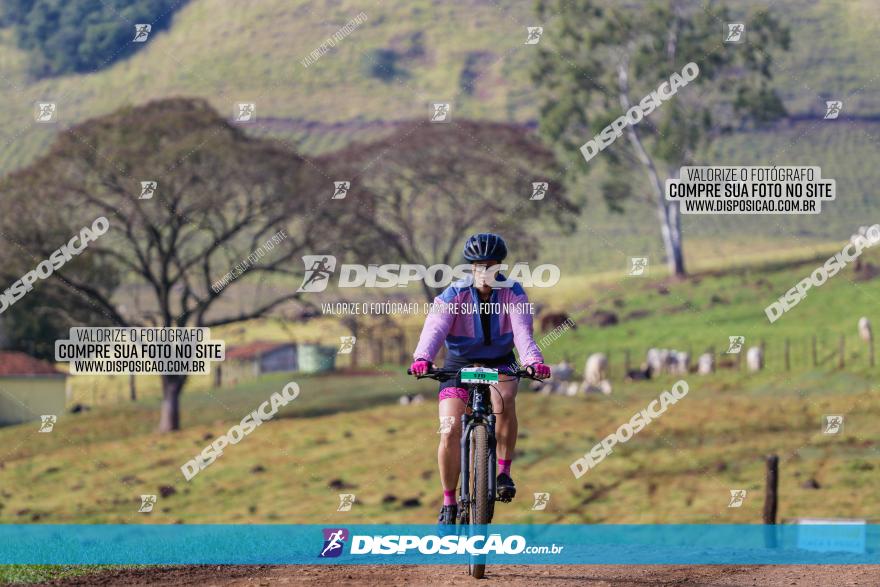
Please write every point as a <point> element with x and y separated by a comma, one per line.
<point>542,371</point>
<point>420,367</point>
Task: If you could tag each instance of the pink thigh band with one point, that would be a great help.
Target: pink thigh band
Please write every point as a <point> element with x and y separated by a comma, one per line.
<point>454,393</point>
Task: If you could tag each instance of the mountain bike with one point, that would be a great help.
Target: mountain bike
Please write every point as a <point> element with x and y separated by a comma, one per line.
<point>477,491</point>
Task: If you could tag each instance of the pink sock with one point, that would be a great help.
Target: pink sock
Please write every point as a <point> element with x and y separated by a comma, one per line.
<point>448,497</point>
<point>504,466</point>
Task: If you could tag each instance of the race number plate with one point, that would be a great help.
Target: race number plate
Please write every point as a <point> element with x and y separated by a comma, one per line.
<point>479,375</point>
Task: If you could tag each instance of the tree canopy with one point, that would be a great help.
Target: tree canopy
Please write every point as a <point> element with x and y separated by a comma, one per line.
<point>81,36</point>
<point>598,59</point>
<point>434,184</point>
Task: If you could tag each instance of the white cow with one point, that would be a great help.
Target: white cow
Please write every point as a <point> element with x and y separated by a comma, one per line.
<point>682,363</point>
<point>596,368</point>
<point>706,364</point>
<point>865,329</point>
<point>596,374</point>
<point>755,358</point>
<point>655,361</point>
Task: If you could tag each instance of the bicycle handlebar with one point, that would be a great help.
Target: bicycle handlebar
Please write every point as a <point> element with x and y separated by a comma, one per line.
<point>445,374</point>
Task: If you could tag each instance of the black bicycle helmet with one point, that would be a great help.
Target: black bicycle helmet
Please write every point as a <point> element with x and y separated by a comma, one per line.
<point>485,246</point>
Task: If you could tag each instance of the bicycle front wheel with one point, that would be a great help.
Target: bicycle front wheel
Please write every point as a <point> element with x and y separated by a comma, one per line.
<point>479,489</point>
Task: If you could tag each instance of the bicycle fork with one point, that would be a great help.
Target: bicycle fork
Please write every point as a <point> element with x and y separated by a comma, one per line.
<point>468,422</point>
<point>493,463</point>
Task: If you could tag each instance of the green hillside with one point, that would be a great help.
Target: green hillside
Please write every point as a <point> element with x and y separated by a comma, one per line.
<point>254,54</point>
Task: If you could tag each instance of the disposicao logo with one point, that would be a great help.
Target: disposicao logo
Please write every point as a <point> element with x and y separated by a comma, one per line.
<point>334,540</point>
<point>319,268</point>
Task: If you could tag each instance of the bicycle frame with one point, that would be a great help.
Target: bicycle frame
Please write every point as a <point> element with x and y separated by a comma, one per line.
<point>481,415</point>
<point>480,403</point>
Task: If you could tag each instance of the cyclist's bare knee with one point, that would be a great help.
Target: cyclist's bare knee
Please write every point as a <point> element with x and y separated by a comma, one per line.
<point>504,396</point>
<point>450,421</point>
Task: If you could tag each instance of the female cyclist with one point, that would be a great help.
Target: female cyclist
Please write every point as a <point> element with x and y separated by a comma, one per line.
<point>488,339</point>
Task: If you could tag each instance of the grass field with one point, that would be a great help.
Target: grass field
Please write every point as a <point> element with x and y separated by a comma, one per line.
<point>40,573</point>
<point>94,467</point>
<point>348,435</point>
<point>704,310</point>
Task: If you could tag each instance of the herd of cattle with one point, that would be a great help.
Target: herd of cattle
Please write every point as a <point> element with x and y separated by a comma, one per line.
<point>657,362</point>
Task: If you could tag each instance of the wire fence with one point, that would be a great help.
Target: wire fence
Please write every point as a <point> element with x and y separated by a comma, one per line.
<point>383,348</point>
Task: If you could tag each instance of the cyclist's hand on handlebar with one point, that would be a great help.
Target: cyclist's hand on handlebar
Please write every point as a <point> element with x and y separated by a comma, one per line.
<point>420,367</point>
<point>541,370</point>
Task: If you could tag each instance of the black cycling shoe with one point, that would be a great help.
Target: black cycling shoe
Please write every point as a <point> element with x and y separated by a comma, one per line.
<point>506,487</point>
<point>448,515</point>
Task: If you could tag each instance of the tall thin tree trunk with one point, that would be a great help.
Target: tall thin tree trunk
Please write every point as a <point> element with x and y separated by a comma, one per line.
<point>667,212</point>
<point>172,385</point>
<point>132,388</point>
<point>675,253</point>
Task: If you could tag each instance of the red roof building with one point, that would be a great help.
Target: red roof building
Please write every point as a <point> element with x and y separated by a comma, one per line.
<point>16,364</point>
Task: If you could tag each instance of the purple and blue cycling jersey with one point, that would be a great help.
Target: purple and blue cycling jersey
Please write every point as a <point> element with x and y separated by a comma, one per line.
<point>462,331</point>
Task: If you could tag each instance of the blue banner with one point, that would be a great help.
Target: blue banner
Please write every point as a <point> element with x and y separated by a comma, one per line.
<point>432,544</point>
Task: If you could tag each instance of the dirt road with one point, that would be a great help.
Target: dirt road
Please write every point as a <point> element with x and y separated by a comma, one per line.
<point>506,575</point>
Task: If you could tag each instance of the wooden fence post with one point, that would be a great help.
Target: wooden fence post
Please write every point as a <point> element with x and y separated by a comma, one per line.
<point>842,351</point>
<point>787,357</point>
<point>815,357</point>
<point>625,362</point>
<point>871,352</point>
<point>771,496</point>
<point>771,501</point>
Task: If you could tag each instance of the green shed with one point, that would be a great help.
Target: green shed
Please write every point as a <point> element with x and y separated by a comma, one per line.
<point>315,358</point>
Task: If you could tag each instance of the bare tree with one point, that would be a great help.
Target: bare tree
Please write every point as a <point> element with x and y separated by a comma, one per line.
<point>434,184</point>
<point>219,196</point>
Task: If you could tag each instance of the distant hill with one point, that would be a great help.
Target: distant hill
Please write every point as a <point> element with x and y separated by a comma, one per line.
<point>408,53</point>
